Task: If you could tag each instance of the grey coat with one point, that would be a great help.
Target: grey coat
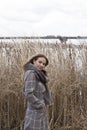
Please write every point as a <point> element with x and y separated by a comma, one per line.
<point>38,97</point>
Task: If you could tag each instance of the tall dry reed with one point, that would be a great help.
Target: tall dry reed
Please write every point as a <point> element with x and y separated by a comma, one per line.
<point>67,72</point>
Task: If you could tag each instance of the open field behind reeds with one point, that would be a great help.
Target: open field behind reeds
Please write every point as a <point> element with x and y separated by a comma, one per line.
<point>67,72</point>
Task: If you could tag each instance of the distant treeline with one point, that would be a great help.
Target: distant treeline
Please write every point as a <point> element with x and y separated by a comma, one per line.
<point>44,37</point>
<point>61,38</point>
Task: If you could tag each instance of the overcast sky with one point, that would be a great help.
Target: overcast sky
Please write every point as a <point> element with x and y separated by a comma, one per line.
<point>43,17</point>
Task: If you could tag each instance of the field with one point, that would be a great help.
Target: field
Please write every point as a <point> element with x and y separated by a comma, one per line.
<point>67,73</point>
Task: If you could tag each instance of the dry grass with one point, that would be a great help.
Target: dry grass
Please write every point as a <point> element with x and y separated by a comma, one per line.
<point>67,80</point>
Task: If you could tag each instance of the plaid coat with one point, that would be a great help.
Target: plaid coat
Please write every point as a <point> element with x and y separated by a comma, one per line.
<point>38,98</point>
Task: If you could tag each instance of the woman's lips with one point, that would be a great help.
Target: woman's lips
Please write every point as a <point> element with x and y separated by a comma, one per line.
<point>40,68</point>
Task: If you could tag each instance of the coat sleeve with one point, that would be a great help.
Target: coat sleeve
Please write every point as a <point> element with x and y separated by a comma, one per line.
<point>29,88</point>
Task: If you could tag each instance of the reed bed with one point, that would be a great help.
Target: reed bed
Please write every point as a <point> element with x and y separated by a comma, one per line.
<point>67,73</point>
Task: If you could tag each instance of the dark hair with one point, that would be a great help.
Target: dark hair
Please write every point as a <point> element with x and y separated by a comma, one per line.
<point>35,58</point>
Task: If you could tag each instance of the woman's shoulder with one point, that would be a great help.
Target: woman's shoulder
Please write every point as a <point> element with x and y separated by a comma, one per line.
<point>29,73</point>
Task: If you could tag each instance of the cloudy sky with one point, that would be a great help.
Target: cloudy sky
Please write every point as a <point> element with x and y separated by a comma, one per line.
<point>43,17</point>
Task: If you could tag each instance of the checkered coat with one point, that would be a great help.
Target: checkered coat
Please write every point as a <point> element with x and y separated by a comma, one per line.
<point>38,97</point>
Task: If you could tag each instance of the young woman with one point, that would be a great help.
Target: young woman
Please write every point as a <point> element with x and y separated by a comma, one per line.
<point>37,93</point>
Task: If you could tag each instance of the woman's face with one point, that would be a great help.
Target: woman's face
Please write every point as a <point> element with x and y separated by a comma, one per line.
<point>40,63</point>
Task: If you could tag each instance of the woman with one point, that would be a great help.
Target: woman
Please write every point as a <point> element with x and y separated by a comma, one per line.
<point>37,93</point>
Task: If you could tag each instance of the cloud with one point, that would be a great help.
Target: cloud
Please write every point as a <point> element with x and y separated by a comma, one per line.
<point>61,24</point>
<point>42,17</point>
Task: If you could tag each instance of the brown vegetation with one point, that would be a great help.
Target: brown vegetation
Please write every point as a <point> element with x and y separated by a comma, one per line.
<point>67,72</point>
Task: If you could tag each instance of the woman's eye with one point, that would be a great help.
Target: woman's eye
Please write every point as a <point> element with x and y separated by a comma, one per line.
<point>42,63</point>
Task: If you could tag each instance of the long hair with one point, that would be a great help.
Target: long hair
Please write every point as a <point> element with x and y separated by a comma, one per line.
<point>34,58</point>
